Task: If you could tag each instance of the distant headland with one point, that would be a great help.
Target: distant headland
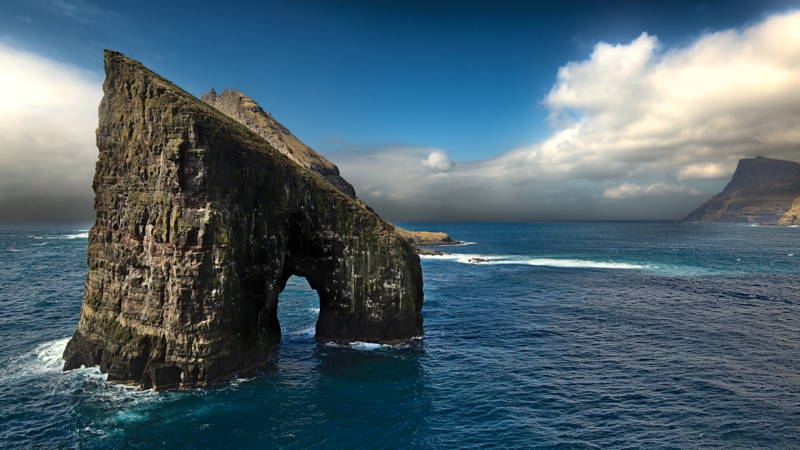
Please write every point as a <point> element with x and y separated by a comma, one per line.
<point>762,190</point>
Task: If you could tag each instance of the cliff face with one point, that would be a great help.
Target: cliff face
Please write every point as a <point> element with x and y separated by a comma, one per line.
<point>762,190</point>
<point>200,223</point>
<point>244,110</point>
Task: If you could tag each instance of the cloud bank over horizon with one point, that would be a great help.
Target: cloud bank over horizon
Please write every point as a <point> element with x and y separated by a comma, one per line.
<point>639,132</point>
<point>47,144</point>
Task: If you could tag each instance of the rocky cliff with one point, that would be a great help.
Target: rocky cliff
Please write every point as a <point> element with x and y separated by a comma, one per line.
<point>762,190</point>
<point>246,111</point>
<point>200,223</point>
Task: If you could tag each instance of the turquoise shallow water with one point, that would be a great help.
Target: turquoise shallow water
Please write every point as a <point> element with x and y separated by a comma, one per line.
<point>571,335</point>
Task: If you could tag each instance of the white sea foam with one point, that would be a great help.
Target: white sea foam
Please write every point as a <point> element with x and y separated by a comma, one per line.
<point>309,331</point>
<point>76,236</point>
<point>94,431</point>
<point>463,243</point>
<point>83,234</point>
<point>367,346</point>
<point>49,355</point>
<point>42,360</point>
<point>548,262</point>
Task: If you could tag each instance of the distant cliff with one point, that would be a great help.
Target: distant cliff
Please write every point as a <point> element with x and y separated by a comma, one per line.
<point>246,111</point>
<point>762,190</point>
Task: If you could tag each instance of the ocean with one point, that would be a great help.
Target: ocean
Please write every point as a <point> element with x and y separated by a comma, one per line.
<point>569,335</point>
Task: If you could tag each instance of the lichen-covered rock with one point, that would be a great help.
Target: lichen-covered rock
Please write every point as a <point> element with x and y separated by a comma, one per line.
<point>200,223</point>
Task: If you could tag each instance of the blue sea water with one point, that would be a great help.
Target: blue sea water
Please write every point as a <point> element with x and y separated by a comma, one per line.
<point>570,335</point>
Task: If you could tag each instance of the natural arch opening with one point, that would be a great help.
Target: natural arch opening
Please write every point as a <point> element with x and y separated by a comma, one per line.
<point>298,308</point>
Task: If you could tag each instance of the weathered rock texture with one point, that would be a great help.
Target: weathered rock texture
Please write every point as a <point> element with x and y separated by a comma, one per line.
<point>762,190</point>
<point>200,223</point>
<point>246,111</point>
<point>427,238</point>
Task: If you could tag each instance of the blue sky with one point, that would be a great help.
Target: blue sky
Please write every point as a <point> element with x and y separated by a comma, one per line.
<point>390,81</point>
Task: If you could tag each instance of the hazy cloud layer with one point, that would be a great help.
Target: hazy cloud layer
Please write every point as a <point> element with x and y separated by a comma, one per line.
<point>78,10</point>
<point>48,115</point>
<point>639,132</point>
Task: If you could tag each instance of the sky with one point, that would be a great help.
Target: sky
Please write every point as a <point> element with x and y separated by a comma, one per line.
<point>433,110</point>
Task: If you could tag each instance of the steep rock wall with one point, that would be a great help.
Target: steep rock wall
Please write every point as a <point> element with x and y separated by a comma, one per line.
<point>200,223</point>
<point>762,190</point>
<point>246,111</point>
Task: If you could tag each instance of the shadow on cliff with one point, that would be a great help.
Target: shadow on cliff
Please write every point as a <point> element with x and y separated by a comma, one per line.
<point>200,223</point>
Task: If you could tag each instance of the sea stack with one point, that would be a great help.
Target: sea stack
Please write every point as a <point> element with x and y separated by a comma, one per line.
<point>762,190</point>
<point>200,223</point>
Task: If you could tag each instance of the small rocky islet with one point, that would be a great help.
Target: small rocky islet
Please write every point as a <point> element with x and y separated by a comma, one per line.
<point>204,210</point>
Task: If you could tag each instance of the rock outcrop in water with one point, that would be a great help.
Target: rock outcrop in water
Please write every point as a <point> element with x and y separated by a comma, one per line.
<point>763,190</point>
<point>200,223</point>
<point>246,111</point>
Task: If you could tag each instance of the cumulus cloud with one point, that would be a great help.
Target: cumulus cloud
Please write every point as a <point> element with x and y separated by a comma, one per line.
<point>48,115</point>
<point>438,161</point>
<point>633,121</point>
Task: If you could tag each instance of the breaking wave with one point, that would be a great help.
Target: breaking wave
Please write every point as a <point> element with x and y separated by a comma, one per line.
<point>547,262</point>
<point>82,234</point>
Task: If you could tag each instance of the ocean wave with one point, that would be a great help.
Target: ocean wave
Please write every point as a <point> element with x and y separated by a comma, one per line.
<point>309,331</point>
<point>43,360</point>
<point>547,262</point>
<point>366,346</point>
<point>83,234</point>
<point>49,355</point>
<point>463,243</point>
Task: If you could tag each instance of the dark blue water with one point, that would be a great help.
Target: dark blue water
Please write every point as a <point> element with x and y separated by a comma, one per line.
<point>571,335</point>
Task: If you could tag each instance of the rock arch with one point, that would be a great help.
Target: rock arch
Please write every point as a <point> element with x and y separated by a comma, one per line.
<point>200,222</point>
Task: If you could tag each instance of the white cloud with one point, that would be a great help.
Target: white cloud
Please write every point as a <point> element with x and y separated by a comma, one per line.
<point>438,161</point>
<point>705,171</point>
<point>631,190</point>
<point>632,121</point>
<point>48,115</point>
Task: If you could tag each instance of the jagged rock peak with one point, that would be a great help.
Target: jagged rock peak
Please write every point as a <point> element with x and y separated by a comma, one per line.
<point>762,190</point>
<point>211,97</point>
<point>246,111</point>
<point>200,223</point>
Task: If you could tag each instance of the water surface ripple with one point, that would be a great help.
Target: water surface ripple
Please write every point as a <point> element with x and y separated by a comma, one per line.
<point>570,335</point>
